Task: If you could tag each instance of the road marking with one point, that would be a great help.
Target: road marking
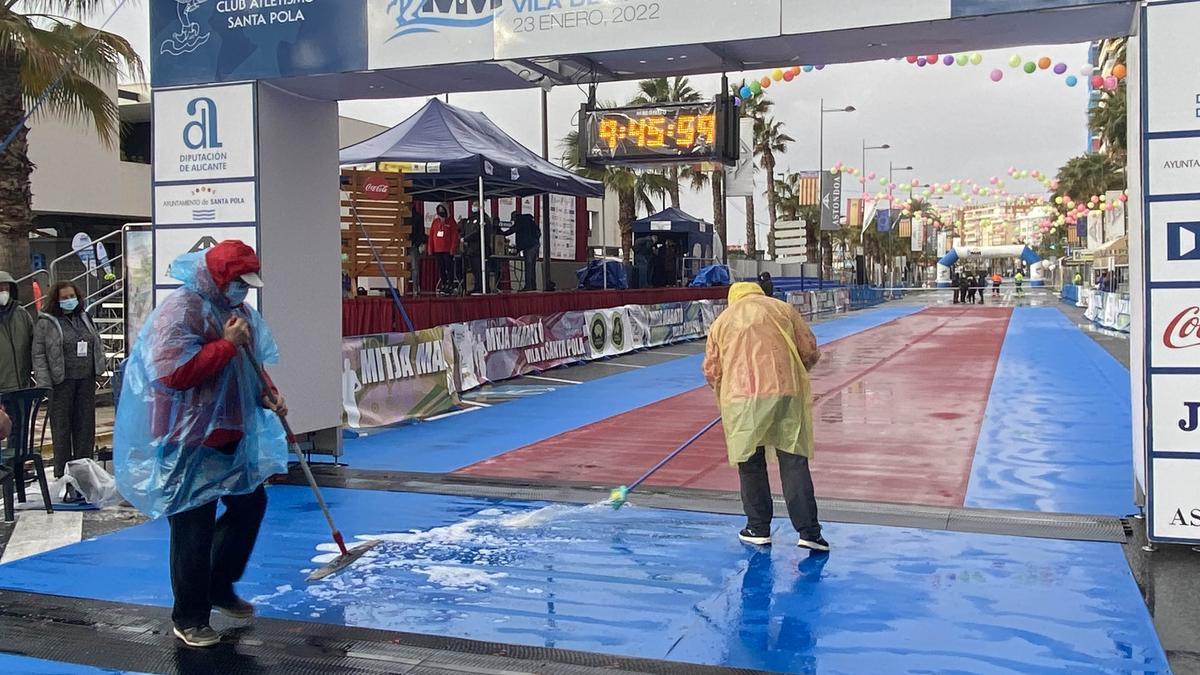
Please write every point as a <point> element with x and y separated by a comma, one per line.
<point>451,414</point>
<point>552,379</point>
<point>477,403</point>
<point>672,353</point>
<point>619,365</point>
<point>37,532</point>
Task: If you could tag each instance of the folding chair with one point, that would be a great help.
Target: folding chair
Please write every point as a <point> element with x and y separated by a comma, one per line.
<point>20,448</point>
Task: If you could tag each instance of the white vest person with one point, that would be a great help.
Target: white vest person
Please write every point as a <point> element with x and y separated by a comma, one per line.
<point>193,427</point>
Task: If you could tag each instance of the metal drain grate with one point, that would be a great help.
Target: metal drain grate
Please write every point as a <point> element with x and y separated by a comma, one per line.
<point>953,519</point>
<point>138,638</point>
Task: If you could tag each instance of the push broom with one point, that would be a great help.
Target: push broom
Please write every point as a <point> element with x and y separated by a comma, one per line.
<point>619,496</point>
<point>348,556</point>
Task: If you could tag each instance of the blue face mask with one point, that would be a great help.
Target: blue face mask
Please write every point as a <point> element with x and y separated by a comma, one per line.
<point>237,291</point>
<point>69,304</point>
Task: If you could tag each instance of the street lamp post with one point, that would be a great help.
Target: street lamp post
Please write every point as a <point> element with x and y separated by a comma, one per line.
<point>821,188</point>
<point>892,169</point>
<point>865,148</point>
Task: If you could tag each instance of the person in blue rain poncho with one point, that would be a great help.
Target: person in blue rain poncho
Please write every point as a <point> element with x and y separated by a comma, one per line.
<point>194,427</point>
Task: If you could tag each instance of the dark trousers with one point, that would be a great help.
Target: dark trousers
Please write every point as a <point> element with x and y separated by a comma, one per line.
<point>72,421</point>
<point>957,294</point>
<point>445,265</point>
<point>209,554</point>
<point>531,258</point>
<point>797,492</point>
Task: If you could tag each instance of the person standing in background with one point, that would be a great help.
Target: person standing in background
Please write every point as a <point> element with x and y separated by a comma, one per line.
<point>443,244</point>
<point>68,358</point>
<point>528,240</point>
<point>643,259</point>
<point>16,339</point>
<point>416,247</point>
<point>768,286</point>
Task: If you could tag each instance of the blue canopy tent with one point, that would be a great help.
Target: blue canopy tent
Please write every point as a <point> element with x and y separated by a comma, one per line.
<point>684,228</point>
<point>456,154</point>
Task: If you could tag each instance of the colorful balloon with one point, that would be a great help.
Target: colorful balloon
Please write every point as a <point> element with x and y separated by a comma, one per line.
<point>922,62</point>
<point>765,82</point>
<point>948,60</point>
<point>755,87</point>
<point>746,92</point>
<point>777,74</point>
<point>1060,68</point>
<point>911,58</point>
<point>807,69</point>
<point>1014,60</point>
<point>962,59</point>
<point>1072,80</point>
<point>1110,83</point>
<point>1119,71</point>
<point>1044,63</point>
<point>820,66</point>
<point>997,75</point>
<point>932,58</point>
<point>789,76</point>
<point>976,59</point>
<point>1097,81</point>
<point>1030,67</point>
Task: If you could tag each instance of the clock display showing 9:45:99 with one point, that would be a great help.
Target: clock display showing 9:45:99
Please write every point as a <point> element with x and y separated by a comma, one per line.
<point>652,133</point>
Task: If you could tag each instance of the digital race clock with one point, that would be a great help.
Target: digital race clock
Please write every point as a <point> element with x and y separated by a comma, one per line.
<point>659,133</point>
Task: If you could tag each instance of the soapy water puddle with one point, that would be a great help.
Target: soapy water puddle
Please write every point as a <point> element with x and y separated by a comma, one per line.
<point>483,555</point>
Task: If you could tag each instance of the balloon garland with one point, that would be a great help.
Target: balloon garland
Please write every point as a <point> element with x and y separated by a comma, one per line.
<point>756,87</point>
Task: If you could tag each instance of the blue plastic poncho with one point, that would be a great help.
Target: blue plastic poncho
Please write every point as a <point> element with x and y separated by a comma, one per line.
<point>163,466</point>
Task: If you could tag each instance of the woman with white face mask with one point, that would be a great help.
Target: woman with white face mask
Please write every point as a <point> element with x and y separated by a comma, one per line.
<point>68,357</point>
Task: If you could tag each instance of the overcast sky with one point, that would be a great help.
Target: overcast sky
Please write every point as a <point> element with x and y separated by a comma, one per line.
<point>946,122</point>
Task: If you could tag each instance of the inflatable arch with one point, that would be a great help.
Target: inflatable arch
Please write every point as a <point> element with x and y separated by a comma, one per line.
<point>1036,264</point>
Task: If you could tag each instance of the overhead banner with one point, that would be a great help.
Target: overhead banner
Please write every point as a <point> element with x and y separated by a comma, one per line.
<point>202,41</point>
<point>491,350</point>
<point>403,34</point>
<point>529,28</point>
<point>397,377</point>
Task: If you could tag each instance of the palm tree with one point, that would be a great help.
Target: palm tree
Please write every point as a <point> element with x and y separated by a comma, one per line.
<point>36,49</point>
<point>662,90</point>
<point>769,139</point>
<point>1110,119</point>
<point>1091,174</point>
<point>633,188</point>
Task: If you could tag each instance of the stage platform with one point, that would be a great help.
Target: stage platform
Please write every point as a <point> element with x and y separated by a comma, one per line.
<point>372,314</point>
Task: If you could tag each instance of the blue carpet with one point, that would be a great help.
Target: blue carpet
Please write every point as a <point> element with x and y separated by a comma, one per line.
<point>1057,433</point>
<point>665,584</point>
<point>453,443</point>
<point>20,665</point>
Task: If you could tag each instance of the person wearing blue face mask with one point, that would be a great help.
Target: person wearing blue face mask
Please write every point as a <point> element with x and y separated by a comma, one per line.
<point>67,358</point>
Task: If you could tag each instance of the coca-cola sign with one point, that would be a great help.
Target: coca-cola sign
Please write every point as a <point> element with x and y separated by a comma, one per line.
<point>1183,331</point>
<point>375,186</point>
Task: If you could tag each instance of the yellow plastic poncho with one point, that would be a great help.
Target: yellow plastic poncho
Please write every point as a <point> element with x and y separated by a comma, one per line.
<point>757,360</point>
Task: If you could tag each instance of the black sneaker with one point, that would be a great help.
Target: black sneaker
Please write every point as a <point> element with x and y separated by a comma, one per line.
<point>757,538</point>
<point>818,544</point>
<point>200,636</point>
<point>235,609</point>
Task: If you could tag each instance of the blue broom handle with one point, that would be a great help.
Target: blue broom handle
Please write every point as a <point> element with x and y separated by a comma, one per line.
<point>678,450</point>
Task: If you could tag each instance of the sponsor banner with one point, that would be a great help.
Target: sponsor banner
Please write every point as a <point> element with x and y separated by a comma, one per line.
<point>1174,164</point>
<point>739,179</point>
<point>1176,415</point>
<point>657,325</point>
<point>1108,310</point>
<point>426,33</point>
<point>396,377</point>
<point>1174,328</point>
<point>204,134</point>
<point>609,332</point>
<point>1174,242</point>
<point>562,227</point>
<point>529,28</point>
<point>831,200</point>
<point>1172,82</point>
<point>491,350</point>
<point>1176,501</point>
<point>710,310</point>
<point>201,41</point>
<point>802,301</point>
<point>170,243</point>
<point>202,203</point>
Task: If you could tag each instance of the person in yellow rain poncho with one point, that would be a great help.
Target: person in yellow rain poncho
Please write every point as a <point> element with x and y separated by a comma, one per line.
<point>757,361</point>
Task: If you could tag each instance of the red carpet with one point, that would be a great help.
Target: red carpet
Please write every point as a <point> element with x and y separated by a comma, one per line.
<point>898,413</point>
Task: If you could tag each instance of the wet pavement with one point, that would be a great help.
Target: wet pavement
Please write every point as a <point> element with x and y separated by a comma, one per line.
<point>676,586</point>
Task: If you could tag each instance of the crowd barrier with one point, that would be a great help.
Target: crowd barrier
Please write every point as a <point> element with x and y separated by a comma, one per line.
<point>814,303</point>
<point>398,377</point>
<point>1109,310</point>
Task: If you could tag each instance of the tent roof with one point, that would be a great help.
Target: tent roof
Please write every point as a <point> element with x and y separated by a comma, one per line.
<point>680,222</point>
<point>453,148</point>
